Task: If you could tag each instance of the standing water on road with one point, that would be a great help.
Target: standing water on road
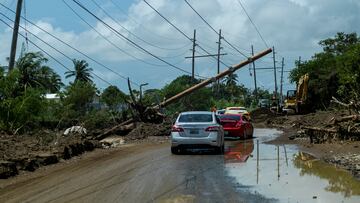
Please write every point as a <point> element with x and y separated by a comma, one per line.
<point>284,174</point>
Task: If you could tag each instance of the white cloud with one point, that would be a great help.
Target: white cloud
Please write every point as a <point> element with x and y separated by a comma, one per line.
<point>293,26</point>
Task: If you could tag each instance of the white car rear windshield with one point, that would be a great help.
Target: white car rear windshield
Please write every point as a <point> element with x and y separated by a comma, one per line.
<point>237,108</point>
<point>230,117</point>
<point>197,118</point>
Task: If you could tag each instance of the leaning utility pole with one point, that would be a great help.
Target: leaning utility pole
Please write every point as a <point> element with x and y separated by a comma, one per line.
<point>282,80</point>
<point>253,63</point>
<point>188,91</point>
<point>275,73</point>
<point>193,57</point>
<point>203,83</point>
<point>15,36</point>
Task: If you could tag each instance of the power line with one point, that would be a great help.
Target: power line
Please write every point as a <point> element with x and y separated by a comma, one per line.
<point>106,39</point>
<point>168,21</point>
<point>252,22</point>
<point>131,33</point>
<point>140,24</point>
<point>129,40</point>
<point>50,54</point>
<point>77,50</point>
<point>232,46</point>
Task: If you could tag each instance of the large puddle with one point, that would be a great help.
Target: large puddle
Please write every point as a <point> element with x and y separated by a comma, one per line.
<point>284,174</point>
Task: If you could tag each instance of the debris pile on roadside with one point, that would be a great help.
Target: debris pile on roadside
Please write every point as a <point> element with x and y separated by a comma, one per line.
<point>322,126</point>
<point>29,152</point>
<point>261,115</point>
<point>144,130</point>
<point>333,135</point>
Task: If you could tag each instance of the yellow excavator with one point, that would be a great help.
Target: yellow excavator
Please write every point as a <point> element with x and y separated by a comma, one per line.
<point>296,99</point>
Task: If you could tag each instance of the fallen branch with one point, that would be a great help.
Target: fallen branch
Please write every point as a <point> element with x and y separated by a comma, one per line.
<point>352,105</point>
<point>320,129</point>
<point>348,118</point>
<point>334,100</point>
<point>122,126</point>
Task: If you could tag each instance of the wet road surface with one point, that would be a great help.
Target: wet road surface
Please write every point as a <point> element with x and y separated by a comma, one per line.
<point>150,173</point>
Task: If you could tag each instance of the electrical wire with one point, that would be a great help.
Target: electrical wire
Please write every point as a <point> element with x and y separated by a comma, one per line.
<point>252,22</point>
<point>51,55</point>
<point>125,78</point>
<point>129,40</point>
<point>168,21</point>
<point>26,35</point>
<point>106,39</point>
<point>77,50</point>
<point>136,22</point>
<point>131,33</point>
<point>232,46</point>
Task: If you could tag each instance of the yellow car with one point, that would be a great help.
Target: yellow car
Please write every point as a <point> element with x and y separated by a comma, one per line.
<point>238,110</point>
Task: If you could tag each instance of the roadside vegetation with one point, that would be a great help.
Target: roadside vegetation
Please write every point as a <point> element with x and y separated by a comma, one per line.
<point>334,72</point>
<point>24,107</point>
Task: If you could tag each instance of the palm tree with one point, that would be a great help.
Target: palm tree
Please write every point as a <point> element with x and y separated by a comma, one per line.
<point>29,65</point>
<point>50,80</point>
<point>231,79</point>
<point>230,82</point>
<point>36,75</point>
<point>81,71</point>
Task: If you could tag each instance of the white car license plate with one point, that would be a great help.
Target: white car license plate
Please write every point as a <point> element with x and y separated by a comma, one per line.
<point>194,131</point>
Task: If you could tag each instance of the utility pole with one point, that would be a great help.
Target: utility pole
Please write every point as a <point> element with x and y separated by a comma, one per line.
<point>201,56</point>
<point>15,36</point>
<point>193,57</point>
<point>253,63</point>
<point>275,74</point>
<point>219,49</point>
<point>282,80</point>
<point>218,61</point>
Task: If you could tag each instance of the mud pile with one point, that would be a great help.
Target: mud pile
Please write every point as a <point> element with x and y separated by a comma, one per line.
<point>29,152</point>
<point>261,115</point>
<point>144,130</point>
<point>332,135</point>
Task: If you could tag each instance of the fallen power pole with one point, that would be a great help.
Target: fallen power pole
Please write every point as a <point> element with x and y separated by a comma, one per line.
<point>214,79</point>
<point>188,91</point>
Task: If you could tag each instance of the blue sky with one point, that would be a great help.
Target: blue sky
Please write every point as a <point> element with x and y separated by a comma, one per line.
<point>294,27</point>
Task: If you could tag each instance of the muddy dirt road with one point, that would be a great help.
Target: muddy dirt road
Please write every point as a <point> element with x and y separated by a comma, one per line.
<point>150,173</point>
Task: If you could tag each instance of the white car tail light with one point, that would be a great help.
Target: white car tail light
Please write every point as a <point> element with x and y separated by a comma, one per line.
<point>177,129</point>
<point>212,129</point>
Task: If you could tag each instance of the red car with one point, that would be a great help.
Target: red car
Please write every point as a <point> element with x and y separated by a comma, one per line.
<point>236,125</point>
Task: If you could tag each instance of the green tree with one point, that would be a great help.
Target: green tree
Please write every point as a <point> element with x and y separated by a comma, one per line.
<point>153,96</point>
<point>2,72</point>
<point>50,80</point>
<point>340,43</point>
<point>33,73</point>
<point>18,109</point>
<point>113,97</point>
<point>81,71</point>
<point>198,100</point>
<point>333,72</point>
<point>231,85</point>
<point>231,79</point>
<point>78,96</point>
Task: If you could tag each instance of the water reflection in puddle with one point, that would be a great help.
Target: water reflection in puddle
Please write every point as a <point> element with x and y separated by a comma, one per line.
<point>283,173</point>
